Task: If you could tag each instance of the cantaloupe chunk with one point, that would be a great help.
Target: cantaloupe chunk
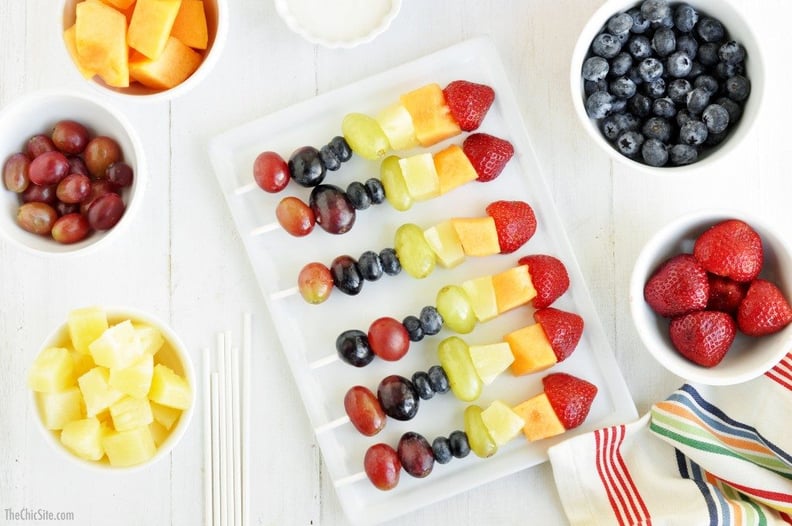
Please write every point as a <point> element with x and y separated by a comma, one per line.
<point>478,235</point>
<point>540,418</point>
<point>71,47</point>
<point>431,116</point>
<point>173,67</point>
<point>190,24</point>
<point>531,350</point>
<point>151,26</point>
<point>513,288</point>
<point>121,5</point>
<point>453,168</point>
<point>100,40</point>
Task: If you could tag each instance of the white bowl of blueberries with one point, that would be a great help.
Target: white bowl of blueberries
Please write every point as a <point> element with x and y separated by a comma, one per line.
<point>667,86</point>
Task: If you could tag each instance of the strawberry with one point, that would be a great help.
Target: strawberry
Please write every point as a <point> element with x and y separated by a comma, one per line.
<point>764,310</point>
<point>549,277</point>
<point>731,249</point>
<point>679,286</point>
<point>515,223</point>
<point>488,154</point>
<point>570,397</point>
<point>703,336</point>
<point>725,294</point>
<point>562,328</point>
<point>469,102</point>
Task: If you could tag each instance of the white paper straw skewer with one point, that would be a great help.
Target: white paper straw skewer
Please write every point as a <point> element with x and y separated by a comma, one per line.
<point>245,366</point>
<point>215,417</point>
<point>207,435</point>
<point>241,190</point>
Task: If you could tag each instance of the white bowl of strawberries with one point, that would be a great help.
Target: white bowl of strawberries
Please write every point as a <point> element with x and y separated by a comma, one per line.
<point>710,297</point>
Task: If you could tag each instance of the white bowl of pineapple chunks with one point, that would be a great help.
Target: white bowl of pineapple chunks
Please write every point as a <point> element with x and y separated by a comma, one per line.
<point>113,388</point>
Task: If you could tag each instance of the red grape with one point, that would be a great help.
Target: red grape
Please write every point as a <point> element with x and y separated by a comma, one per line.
<point>106,211</point>
<point>120,173</point>
<point>388,338</point>
<point>67,208</point>
<point>39,144</point>
<point>398,397</point>
<point>98,189</point>
<point>364,411</point>
<point>271,172</point>
<point>295,217</point>
<point>35,193</point>
<point>77,165</point>
<point>415,454</point>
<point>315,282</point>
<point>15,172</point>
<point>70,228</point>
<point>48,168</point>
<point>334,212</point>
<point>69,136</point>
<point>382,466</point>
<point>37,218</point>
<point>99,153</point>
<point>74,188</point>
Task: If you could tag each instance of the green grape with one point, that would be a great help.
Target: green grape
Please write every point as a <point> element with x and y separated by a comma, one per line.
<point>395,186</point>
<point>415,255</point>
<point>365,136</point>
<point>479,438</point>
<point>456,362</point>
<point>454,306</point>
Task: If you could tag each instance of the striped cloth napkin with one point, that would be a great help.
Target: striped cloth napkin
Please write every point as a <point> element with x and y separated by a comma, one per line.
<point>704,456</point>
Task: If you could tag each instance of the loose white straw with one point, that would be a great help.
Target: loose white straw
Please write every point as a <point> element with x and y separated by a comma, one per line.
<point>245,188</point>
<point>207,436</point>
<point>214,390</point>
<point>237,441</point>
<point>247,342</point>
<point>229,429</point>
<point>224,496</point>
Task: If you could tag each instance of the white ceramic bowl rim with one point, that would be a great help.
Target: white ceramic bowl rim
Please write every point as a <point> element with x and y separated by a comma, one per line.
<point>184,420</point>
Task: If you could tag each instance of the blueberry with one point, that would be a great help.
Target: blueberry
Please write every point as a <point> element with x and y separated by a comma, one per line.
<point>629,143</point>
<point>678,89</point>
<point>622,87</point>
<point>431,320</point>
<point>655,10</point>
<point>353,348</point>
<point>590,86</point>
<point>734,109</point>
<point>666,22</point>
<point>696,70</point>
<point>707,82</point>
<point>441,450</point>
<point>654,152</point>
<point>370,266</point>
<point>639,23</point>
<point>657,128</point>
<point>738,88</point>
<point>664,107</point>
<point>306,166</point>
<point>606,45</point>
<point>329,159</point>
<point>683,116</point>
<point>615,124</point>
<point>714,139</point>
<point>655,88</point>
<point>438,379</point>
<point>413,326</point>
<point>708,54</point>
<point>460,447</point>
<point>599,104</point>
<point>687,44</point>
<point>639,47</point>
<point>340,148</point>
<point>716,118</point>
<point>681,154</point>
<point>390,261</point>
<point>664,42</point>
<point>358,196</point>
<point>595,68</point>
<point>697,100</point>
<point>724,70</point>
<point>375,190</point>
<point>422,384</point>
<point>693,132</point>
<point>679,64</point>
<point>640,105</point>
<point>634,75</point>
<point>619,105</point>
<point>620,64</point>
<point>650,69</point>
<point>685,18</point>
<point>620,23</point>
<point>710,29</point>
<point>731,52</point>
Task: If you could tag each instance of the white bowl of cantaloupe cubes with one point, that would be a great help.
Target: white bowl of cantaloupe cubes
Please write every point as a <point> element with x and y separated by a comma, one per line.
<point>113,388</point>
<point>144,47</point>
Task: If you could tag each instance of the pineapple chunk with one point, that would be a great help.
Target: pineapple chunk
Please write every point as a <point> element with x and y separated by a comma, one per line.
<point>82,363</point>
<point>61,407</point>
<point>134,380</point>
<point>397,124</point>
<point>169,389</point>
<point>502,422</point>
<point>128,448</point>
<point>84,438</point>
<point>445,243</point>
<point>158,433</point>
<point>164,415</point>
<point>129,413</point>
<point>481,292</point>
<point>86,325</point>
<point>150,338</point>
<point>118,346</point>
<point>491,360</point>
<point>420,175</point>
<point>52,370</point>
<point>96,390</point>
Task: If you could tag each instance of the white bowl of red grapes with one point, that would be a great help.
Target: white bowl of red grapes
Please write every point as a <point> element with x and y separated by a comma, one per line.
<point>72,170</point>
<point>664,84</point>
<point>710,296</point>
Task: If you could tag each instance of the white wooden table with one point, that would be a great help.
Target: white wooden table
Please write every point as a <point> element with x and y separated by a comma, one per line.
<point>183,261</point>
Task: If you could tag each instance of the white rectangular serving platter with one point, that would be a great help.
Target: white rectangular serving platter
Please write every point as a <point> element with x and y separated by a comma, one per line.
<point>307,332</point>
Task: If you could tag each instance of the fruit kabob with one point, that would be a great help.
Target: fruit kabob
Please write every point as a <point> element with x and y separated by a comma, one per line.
<point>506,227</point>
<point>564,404</point>
<point>465,369</point>
<point>539,279</point>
